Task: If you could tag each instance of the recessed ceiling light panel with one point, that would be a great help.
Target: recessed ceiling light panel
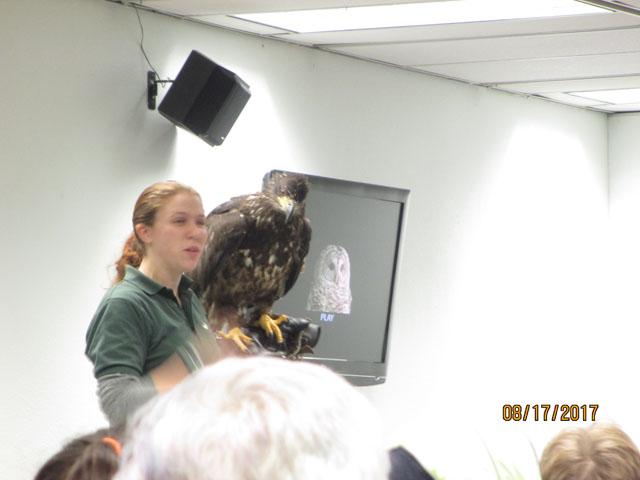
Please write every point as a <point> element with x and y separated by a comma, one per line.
<point>615,97</point>
<point>414,14</point>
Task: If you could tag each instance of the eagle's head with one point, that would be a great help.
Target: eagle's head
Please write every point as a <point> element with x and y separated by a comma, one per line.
<point>290,189</point>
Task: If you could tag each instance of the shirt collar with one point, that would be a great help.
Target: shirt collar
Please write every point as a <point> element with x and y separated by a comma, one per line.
<point>151,287</point>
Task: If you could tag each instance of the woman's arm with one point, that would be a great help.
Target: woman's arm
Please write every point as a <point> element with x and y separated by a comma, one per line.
<point>120,394</point>
<point>170,373</point>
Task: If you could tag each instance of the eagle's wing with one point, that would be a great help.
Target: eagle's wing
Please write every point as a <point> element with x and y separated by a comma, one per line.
<point>226,227</point>
<point>304,240</point>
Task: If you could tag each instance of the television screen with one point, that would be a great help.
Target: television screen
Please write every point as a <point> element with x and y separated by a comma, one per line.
<point>348,283</point>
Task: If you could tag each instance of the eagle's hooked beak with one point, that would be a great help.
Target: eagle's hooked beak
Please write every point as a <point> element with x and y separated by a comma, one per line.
<point>288,205</point>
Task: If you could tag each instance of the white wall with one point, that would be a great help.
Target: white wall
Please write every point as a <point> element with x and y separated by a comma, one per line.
<point>502,294</point>
<point>624,200</point>
<point>624,187</point>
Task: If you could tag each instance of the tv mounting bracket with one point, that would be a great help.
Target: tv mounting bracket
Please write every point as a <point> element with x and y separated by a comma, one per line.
<point>152,88</point>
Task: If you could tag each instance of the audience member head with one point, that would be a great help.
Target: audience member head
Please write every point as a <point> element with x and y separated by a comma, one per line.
<point>257,418</point>
<point>149,202</point>
<point>95,456</point>
<point>598,452</point>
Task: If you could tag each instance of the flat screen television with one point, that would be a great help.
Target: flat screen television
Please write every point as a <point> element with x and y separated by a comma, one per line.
<point>347,287</point>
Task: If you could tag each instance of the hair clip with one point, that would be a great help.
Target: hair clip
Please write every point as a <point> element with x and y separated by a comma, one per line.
<point>114,443</point>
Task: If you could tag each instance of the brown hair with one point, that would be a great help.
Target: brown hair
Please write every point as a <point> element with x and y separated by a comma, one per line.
<point>149,202</point>
<point>599,452</point>
<point>88,456</point>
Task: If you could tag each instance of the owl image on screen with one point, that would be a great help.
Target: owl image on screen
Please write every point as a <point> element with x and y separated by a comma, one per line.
<point>331,290</point>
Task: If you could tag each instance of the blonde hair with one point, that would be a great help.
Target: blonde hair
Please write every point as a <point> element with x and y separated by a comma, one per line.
<point>149,202</point>
<point>599,452</point>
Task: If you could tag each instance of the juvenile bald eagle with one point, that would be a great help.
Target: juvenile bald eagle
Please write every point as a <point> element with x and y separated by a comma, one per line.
<point>254,252</point>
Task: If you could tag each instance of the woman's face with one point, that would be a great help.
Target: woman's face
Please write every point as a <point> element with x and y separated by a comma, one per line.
<point>175,241</point>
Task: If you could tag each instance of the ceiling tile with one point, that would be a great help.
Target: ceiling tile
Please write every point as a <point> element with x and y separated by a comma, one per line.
<point>631,3</point>
<point>572,99</point>
<point>562,68</point>
<point>503,48</point>
<point>626,108</point>
<point>582,84</point>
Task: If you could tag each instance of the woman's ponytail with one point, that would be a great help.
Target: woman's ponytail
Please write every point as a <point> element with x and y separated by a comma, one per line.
<point>131,255</point>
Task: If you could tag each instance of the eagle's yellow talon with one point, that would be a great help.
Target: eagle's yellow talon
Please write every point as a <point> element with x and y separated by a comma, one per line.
<point>270,325</point>
<point>239,338</point>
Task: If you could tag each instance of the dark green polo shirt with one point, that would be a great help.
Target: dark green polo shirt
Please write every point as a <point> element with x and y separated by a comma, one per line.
<point>139,324</point>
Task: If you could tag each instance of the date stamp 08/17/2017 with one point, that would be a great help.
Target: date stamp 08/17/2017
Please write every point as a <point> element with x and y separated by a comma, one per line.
<point>548,412</point>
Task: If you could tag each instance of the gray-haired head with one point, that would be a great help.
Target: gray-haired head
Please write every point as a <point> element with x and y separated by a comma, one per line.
<point>257,418</point>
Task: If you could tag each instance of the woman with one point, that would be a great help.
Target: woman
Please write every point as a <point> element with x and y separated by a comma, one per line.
<point>150,331</point>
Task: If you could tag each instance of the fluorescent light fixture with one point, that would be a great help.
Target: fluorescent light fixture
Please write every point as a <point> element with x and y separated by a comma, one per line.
<point>616,97</point>
<point>413,14</point>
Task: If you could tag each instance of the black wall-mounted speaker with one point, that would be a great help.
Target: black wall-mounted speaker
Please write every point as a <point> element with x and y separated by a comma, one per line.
<point>205,99</point>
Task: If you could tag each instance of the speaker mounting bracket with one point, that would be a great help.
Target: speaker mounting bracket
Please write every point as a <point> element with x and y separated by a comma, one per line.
<point>152,88</point>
